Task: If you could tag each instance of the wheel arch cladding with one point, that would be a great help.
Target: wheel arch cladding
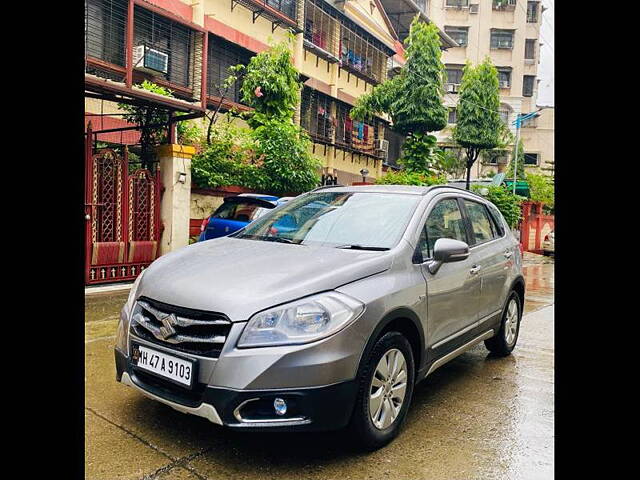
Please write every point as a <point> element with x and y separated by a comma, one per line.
<point>401,320</point>
<point>518,287</point>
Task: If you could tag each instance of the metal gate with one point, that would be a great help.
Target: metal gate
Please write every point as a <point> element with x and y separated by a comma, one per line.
<point>122,212</point>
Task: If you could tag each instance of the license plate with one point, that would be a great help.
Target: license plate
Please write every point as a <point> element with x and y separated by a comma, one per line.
<point>178,370</point>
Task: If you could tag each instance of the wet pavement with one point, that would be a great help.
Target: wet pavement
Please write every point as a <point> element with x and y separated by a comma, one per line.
<point>477,417</point>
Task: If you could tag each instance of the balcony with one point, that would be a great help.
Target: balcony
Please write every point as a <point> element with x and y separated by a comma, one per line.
<point>129,42</point>
<point>281,13</point>
<point>504,5</point>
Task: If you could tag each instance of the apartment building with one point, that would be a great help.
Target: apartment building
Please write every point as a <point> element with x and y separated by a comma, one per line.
<point>508,31</point>
<point>343,48</point>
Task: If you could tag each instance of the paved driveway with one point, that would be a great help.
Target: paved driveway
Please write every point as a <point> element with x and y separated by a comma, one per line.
<point>477,417</point>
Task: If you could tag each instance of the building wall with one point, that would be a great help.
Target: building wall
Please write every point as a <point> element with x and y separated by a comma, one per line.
<point>540,140</point>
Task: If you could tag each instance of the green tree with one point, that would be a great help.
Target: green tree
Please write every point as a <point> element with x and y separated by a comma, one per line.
<point>154,123</point>
<point>507,202</point>
<point>478,126</point>
<point>413,98</point>
<point>411,178</point>
<point>542,189</point>
<point>271,86</point>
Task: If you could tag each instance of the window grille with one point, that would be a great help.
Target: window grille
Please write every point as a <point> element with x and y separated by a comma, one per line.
<point>457,3</point>
<point>359,55</point>
<point>315,116</point>
<point>504,77</point>
<point>353,134</point>
<point>502,39</point>
<point>459,34</point>
<point>454,75</point>
<point>504,113</point>
<point>286,7</point>
<point>527,85</point>
<point>504,4</point>
<point>453,115</point>
<point>532,12</point>
<point>321,29</point>
<point>104,34</point>
<point>220,56</point>
<point>531,159</point>
<point>396,141</point>
<point>530,49</point>
<point>167,36</point>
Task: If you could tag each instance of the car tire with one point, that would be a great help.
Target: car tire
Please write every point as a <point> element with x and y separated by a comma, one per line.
<point>366,434</point>
<point>505,340</point>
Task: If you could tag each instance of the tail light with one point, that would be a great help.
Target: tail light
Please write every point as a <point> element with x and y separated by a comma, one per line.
<point>203,225</point>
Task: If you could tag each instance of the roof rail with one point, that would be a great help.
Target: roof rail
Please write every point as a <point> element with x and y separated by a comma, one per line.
<point>434,187</point>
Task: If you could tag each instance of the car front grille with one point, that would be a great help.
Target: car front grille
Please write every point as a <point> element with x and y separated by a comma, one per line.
<point>183,329</point>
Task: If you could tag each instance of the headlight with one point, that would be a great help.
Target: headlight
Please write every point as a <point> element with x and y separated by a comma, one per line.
<point>122,332</point>
<point>303,321</point>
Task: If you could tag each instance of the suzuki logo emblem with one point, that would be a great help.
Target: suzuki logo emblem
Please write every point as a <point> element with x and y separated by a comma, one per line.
<point>168,323</point>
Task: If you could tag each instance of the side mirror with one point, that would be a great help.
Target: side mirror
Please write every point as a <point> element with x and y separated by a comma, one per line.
<point>447,250</point>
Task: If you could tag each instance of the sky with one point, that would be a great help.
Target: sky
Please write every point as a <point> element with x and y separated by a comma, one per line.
<point>545,70</point>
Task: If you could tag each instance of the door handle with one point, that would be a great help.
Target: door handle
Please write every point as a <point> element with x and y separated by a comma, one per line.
<point>508,254</point>
<point>475,269</point>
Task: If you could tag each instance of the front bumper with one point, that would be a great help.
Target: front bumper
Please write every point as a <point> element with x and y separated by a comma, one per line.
<point>308,409</point>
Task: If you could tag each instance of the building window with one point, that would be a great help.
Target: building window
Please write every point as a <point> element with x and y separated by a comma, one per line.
<point>530,49</point>
<point>321,28</point>
<point>169,37</point>
<point>454,75</point>
<point>457,3</point>
<point>532,12</point>
<point>396,141</point>
<point>287,7</point>
<point>531,159</point>
<point>509,5</point>
<point>453,115</point>
<point>501,39</point>
<point>222,55</point>
<point>459,34</point>
<point>315,115</point>
<point>361,54</point>
<point>504,112</point>
<point>353,134</point>
<point>105,22</point>
<point>527,85</point>
<point>504,77</point>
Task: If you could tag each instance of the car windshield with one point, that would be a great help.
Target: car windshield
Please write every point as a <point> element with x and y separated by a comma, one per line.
<point>240,211</point>
<point>356,220</point>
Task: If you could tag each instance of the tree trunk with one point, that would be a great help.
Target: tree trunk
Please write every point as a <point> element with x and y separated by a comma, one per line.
<point>468,175</point>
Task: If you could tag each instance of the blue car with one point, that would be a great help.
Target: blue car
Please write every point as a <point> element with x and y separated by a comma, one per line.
<point>236,212</point>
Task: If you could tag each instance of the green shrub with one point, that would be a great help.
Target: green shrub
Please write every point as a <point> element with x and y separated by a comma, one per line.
<point>410,178</point>
<point>542,189</point>
<point>507,202</point>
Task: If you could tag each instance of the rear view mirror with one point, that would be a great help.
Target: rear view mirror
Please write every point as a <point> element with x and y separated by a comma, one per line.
<point>447,250</point>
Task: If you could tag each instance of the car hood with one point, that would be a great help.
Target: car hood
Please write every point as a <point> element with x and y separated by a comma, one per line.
<point>239,277</point>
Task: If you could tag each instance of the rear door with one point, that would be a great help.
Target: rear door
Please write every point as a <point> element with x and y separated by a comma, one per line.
<point>453,291</point>
<point>490,252</point>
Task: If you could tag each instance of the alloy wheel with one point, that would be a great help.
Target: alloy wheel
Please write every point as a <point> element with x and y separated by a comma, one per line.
<point>388,388</point>
<point>511,322</point>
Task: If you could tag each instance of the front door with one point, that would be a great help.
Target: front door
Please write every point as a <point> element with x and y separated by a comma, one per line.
<point>453,291</point>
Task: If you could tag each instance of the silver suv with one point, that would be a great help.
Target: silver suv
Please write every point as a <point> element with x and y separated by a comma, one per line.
<point>326,311</point>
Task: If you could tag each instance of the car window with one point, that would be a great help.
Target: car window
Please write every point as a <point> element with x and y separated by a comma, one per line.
<point>444,221</point>
<point>498,220</point>
<point>483,229</point>
<point>240,212</point>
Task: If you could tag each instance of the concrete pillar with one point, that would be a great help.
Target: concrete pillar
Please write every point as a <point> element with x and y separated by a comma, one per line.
<point>176,200</point>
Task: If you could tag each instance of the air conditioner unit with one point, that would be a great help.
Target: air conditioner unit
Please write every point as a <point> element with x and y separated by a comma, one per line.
<point>381,144</point>
<point>146,58</point>
<point>473,8</point>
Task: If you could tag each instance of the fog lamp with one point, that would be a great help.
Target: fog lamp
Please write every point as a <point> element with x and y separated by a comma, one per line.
<point>280,406</point>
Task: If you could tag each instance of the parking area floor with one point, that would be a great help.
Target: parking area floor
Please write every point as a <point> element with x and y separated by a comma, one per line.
<point>477,417</point>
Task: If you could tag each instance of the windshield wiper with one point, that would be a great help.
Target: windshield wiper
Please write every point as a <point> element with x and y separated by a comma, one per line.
<point>363,247</point>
